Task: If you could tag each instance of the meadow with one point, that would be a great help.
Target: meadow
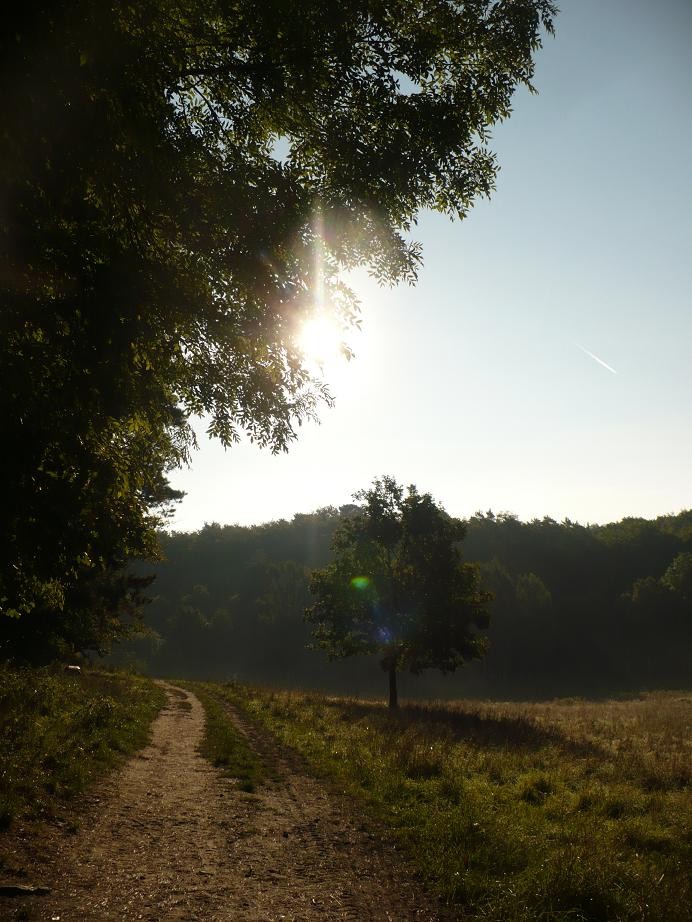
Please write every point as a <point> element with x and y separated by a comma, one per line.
<point>569,810</point>
<point>565,810</point>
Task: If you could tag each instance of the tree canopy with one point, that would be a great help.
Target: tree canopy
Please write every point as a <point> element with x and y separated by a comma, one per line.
<point>182,185</point>
<point>398,587</point>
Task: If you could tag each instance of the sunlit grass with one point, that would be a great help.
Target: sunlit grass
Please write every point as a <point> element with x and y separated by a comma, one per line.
<point>565,811</point>
<point>59,732</point>
<point>223,745</point>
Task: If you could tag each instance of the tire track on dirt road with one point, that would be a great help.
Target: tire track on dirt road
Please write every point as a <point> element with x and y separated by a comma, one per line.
<point>169,837</point>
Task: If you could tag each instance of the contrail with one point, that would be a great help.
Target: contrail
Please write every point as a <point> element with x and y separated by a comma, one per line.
<point>596,359</point>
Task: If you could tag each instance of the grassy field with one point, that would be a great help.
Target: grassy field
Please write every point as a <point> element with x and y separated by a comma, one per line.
<point>59,732</point>
<point>571,810</point>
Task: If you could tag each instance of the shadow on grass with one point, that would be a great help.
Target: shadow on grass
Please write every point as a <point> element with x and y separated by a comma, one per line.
<point>482,730</point>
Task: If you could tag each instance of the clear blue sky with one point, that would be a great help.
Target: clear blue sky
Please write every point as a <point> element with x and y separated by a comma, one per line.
<point>475,384</point>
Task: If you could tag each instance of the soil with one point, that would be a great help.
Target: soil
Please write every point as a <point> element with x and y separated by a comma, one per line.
<point>169,837</point>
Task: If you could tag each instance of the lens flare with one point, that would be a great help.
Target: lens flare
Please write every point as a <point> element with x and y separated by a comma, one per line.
<point>360,582</point>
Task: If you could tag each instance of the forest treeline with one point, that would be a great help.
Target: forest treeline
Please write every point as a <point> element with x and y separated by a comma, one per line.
<point>577,609</point>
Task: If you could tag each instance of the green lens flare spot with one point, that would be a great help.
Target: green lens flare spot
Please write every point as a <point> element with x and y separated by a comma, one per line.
<point>360,582</point>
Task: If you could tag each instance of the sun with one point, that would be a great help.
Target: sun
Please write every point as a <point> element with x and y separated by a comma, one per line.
<point>321,341</point>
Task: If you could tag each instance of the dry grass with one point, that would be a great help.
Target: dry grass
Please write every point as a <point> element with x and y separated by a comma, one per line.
<point>571,810</point>
<point>649,737</point>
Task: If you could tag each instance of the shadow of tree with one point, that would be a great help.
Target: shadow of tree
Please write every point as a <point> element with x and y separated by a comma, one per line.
<point>484,730</point>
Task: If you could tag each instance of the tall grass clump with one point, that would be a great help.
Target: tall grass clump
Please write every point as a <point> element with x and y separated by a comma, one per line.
<point>60,731</point>
<point>572,811</point>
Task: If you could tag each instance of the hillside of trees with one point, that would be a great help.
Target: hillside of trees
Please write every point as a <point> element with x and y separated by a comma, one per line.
<point>577,609</point>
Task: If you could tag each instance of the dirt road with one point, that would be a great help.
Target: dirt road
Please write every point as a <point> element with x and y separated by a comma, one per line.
<point>170,838</point>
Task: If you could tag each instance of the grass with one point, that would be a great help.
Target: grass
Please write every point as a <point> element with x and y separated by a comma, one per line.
<point>223,745</point>
<point>572,810</point>
<point>59,732</point>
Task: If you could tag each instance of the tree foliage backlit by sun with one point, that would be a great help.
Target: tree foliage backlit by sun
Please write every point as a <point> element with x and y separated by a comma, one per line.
<point>169,171</point>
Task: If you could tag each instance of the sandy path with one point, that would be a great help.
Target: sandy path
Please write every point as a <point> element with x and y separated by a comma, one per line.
<point>172,839</point>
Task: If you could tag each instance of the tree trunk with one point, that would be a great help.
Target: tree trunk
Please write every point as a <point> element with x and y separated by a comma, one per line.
<point>393,696</point>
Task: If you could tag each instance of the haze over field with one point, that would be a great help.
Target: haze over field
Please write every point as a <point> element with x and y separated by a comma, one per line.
<point>541,364</point>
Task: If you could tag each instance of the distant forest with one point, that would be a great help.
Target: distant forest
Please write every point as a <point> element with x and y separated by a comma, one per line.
<point>577,610</point>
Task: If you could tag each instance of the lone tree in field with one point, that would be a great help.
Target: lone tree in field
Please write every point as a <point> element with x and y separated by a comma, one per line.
<point>398,587</point>
<point>182,186</point>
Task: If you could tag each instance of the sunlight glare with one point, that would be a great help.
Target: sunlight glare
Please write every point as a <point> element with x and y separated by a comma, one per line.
<point>321,341</point>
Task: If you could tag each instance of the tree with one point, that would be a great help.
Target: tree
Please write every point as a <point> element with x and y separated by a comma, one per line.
<point>102,607</point>
<point>398,588</point>
<point>678,577</point>
<point>181,186</point>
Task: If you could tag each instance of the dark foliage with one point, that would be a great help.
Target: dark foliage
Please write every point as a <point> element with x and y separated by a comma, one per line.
<point>577,609</point>
<point>398,588</point>
<point>175,181</point>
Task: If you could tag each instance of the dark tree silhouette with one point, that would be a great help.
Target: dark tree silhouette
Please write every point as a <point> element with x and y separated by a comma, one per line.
<point>397,587</point>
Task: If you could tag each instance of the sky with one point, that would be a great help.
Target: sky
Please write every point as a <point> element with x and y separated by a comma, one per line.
<point>542,363</point>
